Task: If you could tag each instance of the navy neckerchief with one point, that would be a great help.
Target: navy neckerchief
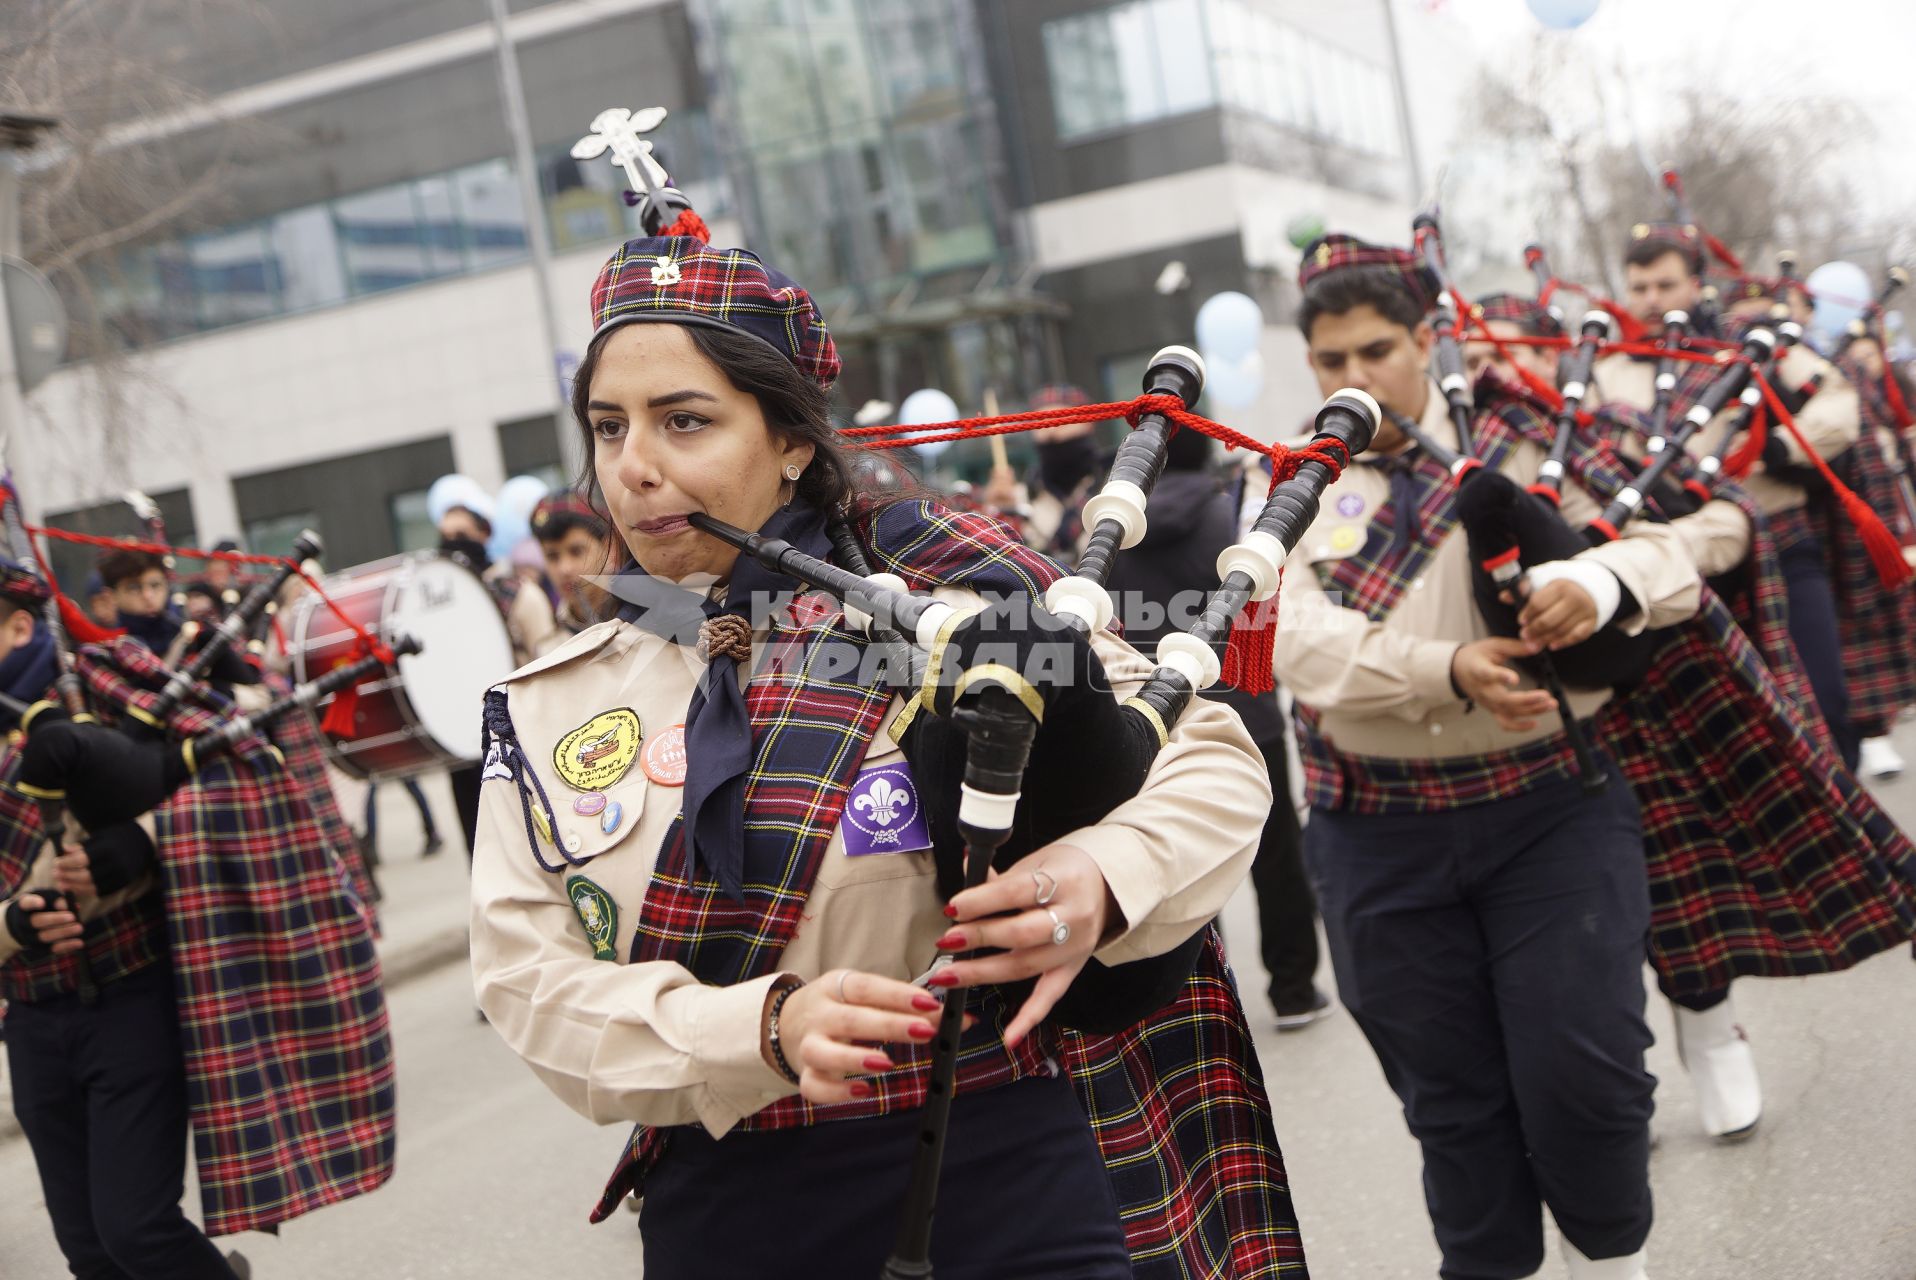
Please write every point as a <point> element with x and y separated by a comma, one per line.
<point>718,733</point>
<point>27,673</point>
<point>154,630</point>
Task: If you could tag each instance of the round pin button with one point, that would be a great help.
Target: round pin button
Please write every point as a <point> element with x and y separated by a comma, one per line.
<point>589,804</point>
<point>610,819</point>
<point>663,758</point>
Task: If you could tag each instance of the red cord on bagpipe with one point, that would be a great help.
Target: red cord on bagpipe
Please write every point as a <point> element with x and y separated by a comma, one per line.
<point>1885,552</point>
<point>1284,461</point>
<point>1246,661</point>
<point>339,716</point>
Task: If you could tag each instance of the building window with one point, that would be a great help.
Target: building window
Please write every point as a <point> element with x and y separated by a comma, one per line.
<point>274,535</point>
<point>1126,65</point>
<point>1270,69</point>
<point>413,529</point>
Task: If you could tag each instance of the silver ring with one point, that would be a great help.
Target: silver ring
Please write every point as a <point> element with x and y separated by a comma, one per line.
<point>1060,931</point>
<point>841,986</point>
<point>1044,895</point>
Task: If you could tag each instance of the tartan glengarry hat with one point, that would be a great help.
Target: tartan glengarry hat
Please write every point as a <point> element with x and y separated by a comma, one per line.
<point>1683,237</point>
<point>1515,309</point>
<point>20,587</point>
<point>1340,252</point>
<point>683,280</point>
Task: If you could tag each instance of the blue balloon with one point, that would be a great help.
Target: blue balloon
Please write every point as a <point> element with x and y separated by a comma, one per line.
<point>512,515</point>
<point>1840,290</point>
<point>1562,15</point>
<point>1234,384</point>
<point>923,407</point>
<point>1229,325</point>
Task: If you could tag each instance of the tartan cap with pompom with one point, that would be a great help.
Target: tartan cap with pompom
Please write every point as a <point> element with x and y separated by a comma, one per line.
<point>1340,252</point>
<point>680,279</point>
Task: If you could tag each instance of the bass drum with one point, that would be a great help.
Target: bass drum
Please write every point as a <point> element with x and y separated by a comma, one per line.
<point>427,715</point>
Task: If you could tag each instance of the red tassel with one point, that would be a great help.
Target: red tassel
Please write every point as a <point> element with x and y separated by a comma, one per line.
<point>1252,650</point>
<point>342,716</point>
<point>1885,552</point>
<point>82,629</point>
<point>688,223</point>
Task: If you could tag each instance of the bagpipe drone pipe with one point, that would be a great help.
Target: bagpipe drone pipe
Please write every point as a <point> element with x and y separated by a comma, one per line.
<point>1088,753</point>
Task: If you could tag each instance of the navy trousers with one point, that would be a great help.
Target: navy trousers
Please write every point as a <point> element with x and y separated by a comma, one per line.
<point>1023,1196</point>
<point>100,1092</point>
<point>1493,956</point>
<point>1812,606</point>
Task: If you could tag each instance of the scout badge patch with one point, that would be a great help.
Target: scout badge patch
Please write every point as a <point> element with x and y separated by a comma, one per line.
<point>597,753</point>
<point>597,912</point>
<point>883,813</point>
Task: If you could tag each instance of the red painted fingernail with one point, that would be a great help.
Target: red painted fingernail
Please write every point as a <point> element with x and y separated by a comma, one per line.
<point>927,1004</point>
<point>946,979</point>
<point>877,1062</point>
<point>921,1031</point>
<point>951,912</point>
<point>860,1089</point>
<point>952,942</point>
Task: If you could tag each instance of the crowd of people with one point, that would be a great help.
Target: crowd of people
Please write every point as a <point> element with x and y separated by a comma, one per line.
<point>720,884</point>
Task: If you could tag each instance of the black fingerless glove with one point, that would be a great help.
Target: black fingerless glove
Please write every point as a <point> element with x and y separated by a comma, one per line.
<point>118,856</point>
<point>18,922</point>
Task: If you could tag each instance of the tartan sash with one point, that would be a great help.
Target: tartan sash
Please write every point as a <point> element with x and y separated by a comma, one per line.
<point>1374,579</point>
<point>1177,1103</point>
<point>283,1021</point>
<point>1340,782</point>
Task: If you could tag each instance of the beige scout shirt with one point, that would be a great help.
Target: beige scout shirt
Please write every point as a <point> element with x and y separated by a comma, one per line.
<point>648,1042</point>
<point>1831,420</point>
<point>1383,688</point>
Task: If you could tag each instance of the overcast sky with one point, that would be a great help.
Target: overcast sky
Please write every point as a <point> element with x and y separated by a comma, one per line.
<point>1861,50</point>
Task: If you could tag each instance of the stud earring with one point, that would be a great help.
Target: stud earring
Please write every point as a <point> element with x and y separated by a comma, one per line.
<point>791,471</point>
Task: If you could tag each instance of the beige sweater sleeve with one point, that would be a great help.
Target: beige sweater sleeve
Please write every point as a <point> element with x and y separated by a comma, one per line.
<point>1717,535</point>
<point>1174,853</point>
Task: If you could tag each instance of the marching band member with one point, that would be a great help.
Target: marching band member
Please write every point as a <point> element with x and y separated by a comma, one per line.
<point>1486,915</point>
<point>576,544</point>
<point>713,927</point>
<point>1662,273</point>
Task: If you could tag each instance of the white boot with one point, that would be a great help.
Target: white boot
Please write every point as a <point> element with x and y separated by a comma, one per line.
<point>1880,760</point>
<point>1582,1268</point>
<point>1729,1097</point>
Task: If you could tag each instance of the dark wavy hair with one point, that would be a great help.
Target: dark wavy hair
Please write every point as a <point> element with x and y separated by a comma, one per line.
<point>1336,293</point>
<point>794,406</point>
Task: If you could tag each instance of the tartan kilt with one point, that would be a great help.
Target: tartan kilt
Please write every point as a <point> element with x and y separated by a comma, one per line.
<point>299,743</point>
<point>1766,858</point>
<point>289,1063</point>
<point>1181,1116</point>
<point>1877,624</point>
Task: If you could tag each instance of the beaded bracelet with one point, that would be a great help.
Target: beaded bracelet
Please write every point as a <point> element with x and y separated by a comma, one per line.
<point>771,1029</point>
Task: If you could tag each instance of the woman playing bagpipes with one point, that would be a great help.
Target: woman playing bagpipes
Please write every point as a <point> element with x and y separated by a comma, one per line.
<point>705,899</point>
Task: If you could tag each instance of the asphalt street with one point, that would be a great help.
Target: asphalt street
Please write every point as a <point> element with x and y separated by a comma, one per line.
<point>495,1177</point>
